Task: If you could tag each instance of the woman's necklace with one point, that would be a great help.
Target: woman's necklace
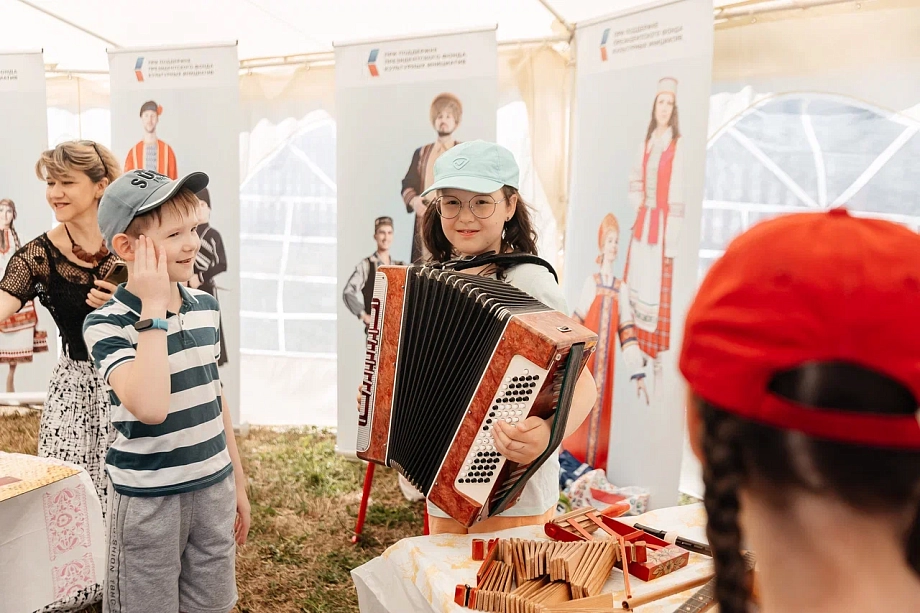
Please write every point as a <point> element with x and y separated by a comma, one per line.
<point>82,254</point>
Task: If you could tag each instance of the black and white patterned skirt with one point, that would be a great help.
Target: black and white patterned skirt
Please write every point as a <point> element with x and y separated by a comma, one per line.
<point>75,428</point>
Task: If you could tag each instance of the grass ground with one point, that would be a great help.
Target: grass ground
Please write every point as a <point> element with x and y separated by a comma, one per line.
<point>304,502</point>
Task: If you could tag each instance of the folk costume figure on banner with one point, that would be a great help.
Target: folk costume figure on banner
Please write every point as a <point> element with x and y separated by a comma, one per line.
<point>151,153</point>
<point>445,115</point>
<point>20,337</point>
<point>359,289</point>
<point>603,308</point>
<point>656,192</point>
<point>211,259</point>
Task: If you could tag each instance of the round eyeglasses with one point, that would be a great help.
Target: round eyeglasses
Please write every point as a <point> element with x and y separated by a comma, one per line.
<point>481,206</point>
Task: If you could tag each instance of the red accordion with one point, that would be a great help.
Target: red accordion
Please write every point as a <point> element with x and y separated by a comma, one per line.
<point>448,355</point>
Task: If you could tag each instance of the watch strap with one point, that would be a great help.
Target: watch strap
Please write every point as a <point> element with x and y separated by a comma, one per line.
<point>151,324</point>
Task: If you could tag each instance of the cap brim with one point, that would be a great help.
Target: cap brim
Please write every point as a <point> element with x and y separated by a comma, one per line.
<point>195,181</point>
<point>467,184</point>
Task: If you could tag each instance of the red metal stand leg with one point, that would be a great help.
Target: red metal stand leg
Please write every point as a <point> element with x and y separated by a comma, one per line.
<point>426,519</point>
<point>365,496</point>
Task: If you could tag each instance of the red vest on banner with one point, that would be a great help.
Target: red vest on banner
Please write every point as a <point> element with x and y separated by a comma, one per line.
<point>661,195</point>
<point>166,159</point>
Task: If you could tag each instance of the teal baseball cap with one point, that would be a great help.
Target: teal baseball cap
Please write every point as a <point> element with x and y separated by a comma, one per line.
<point>137,192</point>
<point>476,166</point>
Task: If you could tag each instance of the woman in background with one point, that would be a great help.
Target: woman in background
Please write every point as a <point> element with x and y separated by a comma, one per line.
<point>65,268</point>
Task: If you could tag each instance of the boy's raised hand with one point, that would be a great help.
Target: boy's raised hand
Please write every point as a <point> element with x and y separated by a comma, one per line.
<point>149,278</point>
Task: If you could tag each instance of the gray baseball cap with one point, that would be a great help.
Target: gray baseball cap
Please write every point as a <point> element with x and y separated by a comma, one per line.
<point>137,192</point>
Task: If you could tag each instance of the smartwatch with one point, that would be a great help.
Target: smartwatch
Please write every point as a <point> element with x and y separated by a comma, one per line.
<point>151,324</point>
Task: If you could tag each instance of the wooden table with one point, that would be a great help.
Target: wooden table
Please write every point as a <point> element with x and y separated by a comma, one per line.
<point>420,573</point>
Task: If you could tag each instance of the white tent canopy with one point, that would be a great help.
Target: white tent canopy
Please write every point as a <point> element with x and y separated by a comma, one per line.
<point>74,34</point>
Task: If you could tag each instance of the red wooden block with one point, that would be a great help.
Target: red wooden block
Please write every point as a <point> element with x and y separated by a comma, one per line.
<point>460,595</point>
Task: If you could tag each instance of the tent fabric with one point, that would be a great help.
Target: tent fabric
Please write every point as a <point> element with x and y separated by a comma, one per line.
<point>269,28</point>
<point>263,27</point>
<point>544,80</point>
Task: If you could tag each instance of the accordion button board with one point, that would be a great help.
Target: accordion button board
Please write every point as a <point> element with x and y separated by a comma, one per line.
<point>512,404</point>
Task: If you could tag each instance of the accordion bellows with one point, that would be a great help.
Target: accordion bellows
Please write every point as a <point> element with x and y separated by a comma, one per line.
<point>448,355</point>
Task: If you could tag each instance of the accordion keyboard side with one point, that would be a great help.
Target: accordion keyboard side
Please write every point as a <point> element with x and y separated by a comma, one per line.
<point>380,363</point>
<point>536,342</point>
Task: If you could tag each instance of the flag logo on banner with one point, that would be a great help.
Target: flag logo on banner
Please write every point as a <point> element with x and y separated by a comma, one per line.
<point>372,63</point>
<point>138,65</point>
<point>604,44</point>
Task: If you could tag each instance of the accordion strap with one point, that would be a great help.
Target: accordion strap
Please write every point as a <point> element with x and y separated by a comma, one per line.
<point>501,259</point>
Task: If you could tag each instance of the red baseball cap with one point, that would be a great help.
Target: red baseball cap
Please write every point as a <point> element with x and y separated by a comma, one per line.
<point>805,288</point>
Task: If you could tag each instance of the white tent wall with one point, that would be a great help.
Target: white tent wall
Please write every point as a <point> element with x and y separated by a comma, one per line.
<point>863,50</point>
<point>283,110</point>
<point>542,78</point>
<point>78,107</point>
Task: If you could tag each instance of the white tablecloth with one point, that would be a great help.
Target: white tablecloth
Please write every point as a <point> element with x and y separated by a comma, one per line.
<point>52,542</point>
<point>420,573</point>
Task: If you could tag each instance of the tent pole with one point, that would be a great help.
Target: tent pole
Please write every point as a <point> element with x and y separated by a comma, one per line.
<point>324,58</point>
<point>70,23</point>
<point>558,16</point>
<point>751,9</point>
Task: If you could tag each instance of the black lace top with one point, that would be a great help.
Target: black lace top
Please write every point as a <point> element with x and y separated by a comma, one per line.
<point>40,270</point>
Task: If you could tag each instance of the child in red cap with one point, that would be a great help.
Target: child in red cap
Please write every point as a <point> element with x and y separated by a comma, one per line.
<point>802,354</point>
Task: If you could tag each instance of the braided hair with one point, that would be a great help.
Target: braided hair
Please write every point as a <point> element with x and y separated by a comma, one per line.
<point>740,453</point>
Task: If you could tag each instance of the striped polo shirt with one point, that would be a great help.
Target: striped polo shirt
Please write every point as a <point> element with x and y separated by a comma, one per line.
<point>188,451</point>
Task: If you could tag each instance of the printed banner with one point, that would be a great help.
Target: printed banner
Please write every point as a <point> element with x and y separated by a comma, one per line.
<point>177,111</point>
<point>632,243</point>
<point>28,339</point>
<point>400,104</point>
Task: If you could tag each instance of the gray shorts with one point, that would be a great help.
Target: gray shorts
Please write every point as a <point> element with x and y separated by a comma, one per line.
<point>172,553</point>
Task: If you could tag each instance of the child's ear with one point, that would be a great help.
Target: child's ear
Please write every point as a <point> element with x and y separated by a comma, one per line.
<point>512,206</point>
<point>124,246</point>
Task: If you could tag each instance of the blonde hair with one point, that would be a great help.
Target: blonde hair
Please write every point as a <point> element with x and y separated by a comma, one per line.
<point>185,202</point>
<point>90,158</point>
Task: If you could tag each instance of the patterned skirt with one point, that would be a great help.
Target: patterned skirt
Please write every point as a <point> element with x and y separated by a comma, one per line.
<point>75,428</point>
